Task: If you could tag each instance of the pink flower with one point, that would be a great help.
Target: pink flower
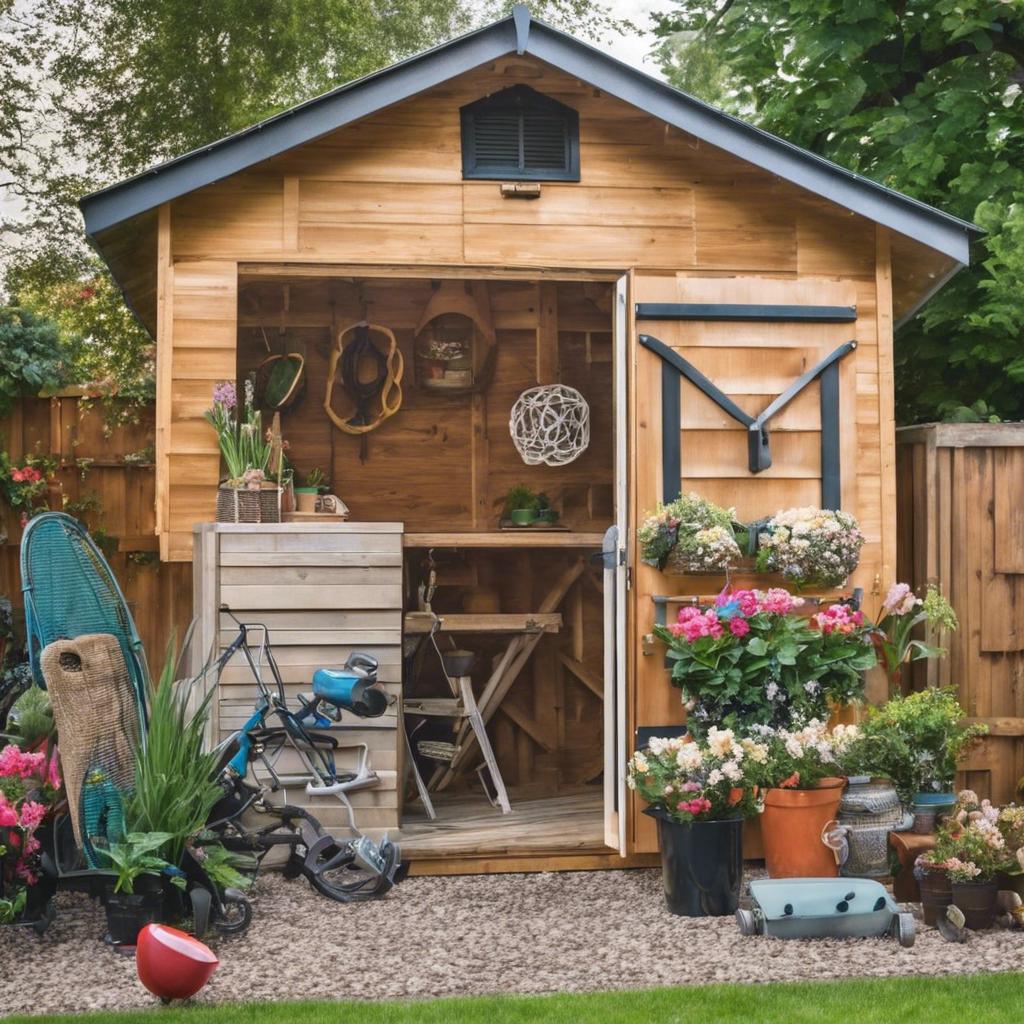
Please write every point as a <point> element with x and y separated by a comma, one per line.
<point>32,814</point>
<point>747,600</point>
<point>739,627</point>
<point>778,601</point>
<point>687,613</point>
<point>900,600</point>
<point>8,815</point>
<point>52,778</point>
<point>690,787</point>
<point>224,394</point>
<point>16,763</point>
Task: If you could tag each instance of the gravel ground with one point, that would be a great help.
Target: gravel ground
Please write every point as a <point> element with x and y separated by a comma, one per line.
<point>568,932</point>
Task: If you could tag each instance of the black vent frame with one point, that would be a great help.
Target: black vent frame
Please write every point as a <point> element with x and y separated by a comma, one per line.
<point>519,134</point>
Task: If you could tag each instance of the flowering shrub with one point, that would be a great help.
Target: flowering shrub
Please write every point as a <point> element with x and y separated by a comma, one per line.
<point>752,660</point>
<point>799,758</point>
<point>697,534</point>
<point>24,486</point>
<point>901,612</point>
<point>811,546</point>
<point>915,741</point>
<point>29,786</point>
<point>709,780</point>
<point>971,845</point>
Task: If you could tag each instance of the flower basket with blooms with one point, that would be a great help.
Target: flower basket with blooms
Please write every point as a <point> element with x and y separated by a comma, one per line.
<point>700,792</point>
<point>753,660</point>
<point>810,546</point>
<point>691,534</point>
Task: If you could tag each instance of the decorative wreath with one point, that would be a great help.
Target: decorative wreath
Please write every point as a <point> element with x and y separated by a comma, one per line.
<point>550,425</point>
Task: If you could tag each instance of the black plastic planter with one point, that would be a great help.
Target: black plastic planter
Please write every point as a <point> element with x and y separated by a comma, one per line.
<point>701,864</point>
<point>128,914</point>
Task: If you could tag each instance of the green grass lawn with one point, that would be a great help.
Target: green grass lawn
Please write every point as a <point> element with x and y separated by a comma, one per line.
<point>983,999</point>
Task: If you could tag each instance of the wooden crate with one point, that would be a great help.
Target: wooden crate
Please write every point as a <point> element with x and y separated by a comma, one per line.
<point>323,590</point>
<point>961,527</point>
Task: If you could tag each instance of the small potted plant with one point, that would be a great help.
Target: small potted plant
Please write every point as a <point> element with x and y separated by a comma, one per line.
<point>804,790</point>
<point>521,505</point>
<point>545,512</point>
<point>971,849</point>
<point>810,546</point>
<point>700,792</point>
<point>316,484</point>
<point>136,866</point>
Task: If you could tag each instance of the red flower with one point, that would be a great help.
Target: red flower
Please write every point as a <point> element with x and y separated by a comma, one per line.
<point>791,783</point>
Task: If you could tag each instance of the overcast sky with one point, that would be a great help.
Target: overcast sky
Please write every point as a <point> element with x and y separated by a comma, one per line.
<point>634,49</point>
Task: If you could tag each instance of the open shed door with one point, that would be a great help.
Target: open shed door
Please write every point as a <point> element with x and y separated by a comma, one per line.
<point>745,392</point>
<point>615,584</point>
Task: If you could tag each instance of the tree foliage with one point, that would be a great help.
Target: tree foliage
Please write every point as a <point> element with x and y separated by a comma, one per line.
<point>921,95</point>
<point>33,355</point>
<point>92,91</point>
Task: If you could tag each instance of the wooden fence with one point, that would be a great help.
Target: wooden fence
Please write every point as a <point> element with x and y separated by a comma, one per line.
<point>113,495</point>
<point>960,496</point>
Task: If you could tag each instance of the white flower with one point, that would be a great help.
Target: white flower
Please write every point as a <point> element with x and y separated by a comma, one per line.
<point>771,690</point>
<point>689,757</point>
<point>812,686</point>
<point>640,765</point>
<point>714,777</point>
<point>757,752</point>
<point>720,741</point>
<point>732,771</point>
<point>794,747</point>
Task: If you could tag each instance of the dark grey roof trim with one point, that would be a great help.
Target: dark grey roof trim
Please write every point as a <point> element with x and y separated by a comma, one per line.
<point>516,34</point>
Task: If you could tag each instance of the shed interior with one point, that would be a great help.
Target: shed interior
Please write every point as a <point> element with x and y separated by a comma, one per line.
<point>529,600</point>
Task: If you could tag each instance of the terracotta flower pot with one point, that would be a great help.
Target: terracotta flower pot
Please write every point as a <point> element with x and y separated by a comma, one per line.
<point>791,828</point>
<point>977,900</point>
<point>936,895</point>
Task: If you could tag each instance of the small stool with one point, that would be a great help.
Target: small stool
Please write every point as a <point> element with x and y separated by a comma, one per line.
<point>908,846</point>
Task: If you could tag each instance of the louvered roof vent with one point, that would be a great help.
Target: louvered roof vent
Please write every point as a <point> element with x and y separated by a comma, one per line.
<point>520,134</point>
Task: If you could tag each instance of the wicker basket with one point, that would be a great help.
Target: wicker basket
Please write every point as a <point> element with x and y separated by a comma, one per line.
<point>270,504</point>
<point>238,505</point>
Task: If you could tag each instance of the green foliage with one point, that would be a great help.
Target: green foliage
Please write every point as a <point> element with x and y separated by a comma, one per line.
<point>174,784</point>
<point>924,96</point>
<point>700,531</point>
<point>11,908</point>
<point>521,497</point>
<point>136,855</point>
<point>915,741</point>
<point>30,718</point>
<point>317,478</point>
<point>222,866</point>
<point>33,356</point>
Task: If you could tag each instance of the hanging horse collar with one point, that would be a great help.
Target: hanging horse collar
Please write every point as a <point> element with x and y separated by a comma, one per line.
<point>374,400</point>
<point>759,457</point>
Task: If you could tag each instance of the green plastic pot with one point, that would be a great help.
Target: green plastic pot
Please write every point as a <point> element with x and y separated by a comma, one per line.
<point>522,516</point>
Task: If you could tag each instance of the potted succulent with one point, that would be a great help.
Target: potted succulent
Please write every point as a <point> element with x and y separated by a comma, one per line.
<point>545,512</point>
<point>753,660</point>
<point>137,896</point>
<point>521,505</point>
<point>316,483</point>
<point>700,792</point>
<point>803,793</point>
<point>689,535</point>
<point>810,546</point>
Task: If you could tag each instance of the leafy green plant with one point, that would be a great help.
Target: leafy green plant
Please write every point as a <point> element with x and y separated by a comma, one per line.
<point>520,497</point>
<point>30,719</point>
<point>174,775</point>
<point>317,478</point>
<point>222,866</point>
<point>32,353</point>
<point>11,907</point>
<point>695,533</point>
<point>136,855</point>
<point>916,741</point>
<point>902,611</point>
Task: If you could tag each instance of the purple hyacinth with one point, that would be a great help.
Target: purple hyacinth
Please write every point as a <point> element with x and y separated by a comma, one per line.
<point>224,394</point>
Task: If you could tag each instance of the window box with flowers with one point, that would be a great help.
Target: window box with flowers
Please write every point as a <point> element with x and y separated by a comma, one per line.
<point>700,792</point>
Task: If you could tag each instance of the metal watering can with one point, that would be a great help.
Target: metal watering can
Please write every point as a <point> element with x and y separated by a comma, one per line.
<point>869,811</point>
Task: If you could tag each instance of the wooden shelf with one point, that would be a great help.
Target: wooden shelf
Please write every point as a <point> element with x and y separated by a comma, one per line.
<point>417,623</point>
<point>505,539</point>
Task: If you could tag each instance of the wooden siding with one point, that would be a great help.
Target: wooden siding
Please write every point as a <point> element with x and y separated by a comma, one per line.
<point>960,501</point>
<point>389,191</point>
<point>753,363</point>
<point>317,614</point>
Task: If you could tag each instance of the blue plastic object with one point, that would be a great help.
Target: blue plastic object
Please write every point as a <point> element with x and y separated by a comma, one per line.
<point>818,908</point>
<point>336,686</point>
<point>69,592</point>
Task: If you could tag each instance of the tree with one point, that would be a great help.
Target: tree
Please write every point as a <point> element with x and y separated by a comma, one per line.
<point>33,356</point>
<point>921,95</point>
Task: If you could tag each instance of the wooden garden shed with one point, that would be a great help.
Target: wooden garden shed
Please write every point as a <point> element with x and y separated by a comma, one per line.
<point>684,272</point>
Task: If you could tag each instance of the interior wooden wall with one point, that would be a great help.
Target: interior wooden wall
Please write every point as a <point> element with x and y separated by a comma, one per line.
<point>962,529</point>
<point>444,462</point>
<point>388,191</point>
<point>120,499</point>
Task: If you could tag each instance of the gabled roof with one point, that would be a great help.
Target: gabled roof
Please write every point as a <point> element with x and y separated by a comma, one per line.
<point>520,34</point>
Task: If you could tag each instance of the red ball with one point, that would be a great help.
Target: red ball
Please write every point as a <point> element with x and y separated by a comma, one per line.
<point>171,963</point>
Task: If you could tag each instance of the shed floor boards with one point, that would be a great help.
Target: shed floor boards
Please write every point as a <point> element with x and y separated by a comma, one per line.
<point>467,825</point>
